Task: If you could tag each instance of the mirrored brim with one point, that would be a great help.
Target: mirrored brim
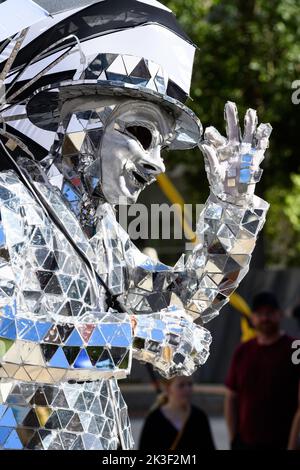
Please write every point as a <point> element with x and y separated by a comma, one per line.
<point>44,107</point>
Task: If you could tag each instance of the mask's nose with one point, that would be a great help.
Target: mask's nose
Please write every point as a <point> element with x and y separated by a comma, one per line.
<point>154,164</point>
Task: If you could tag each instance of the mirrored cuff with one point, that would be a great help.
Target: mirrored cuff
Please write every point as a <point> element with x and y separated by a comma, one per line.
<point>50,352</point>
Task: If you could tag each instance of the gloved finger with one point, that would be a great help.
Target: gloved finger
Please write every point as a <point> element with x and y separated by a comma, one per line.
<point>202,336</point>
<point>261,137</point>
<point>202,356</point>
<point>211,157</point>
<point>250,124</point>
<point>232,122</point>
<point>213,136</point>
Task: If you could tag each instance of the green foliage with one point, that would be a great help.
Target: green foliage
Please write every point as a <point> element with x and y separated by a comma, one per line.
<point>292,203</point>
<point>249,52</point>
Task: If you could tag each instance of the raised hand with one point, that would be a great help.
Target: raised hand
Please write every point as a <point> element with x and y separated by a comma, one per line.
<point>232,163</point>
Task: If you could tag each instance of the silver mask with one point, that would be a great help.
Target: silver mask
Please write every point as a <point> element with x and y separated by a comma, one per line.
<point>112,149</point>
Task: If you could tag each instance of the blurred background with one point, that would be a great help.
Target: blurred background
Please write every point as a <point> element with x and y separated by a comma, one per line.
<point>249,52</point>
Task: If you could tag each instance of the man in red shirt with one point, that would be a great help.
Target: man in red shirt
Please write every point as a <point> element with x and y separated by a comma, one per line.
<point>262,403</point>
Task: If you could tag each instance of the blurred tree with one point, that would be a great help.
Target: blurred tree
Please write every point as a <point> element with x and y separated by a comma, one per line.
<point>249,52</point>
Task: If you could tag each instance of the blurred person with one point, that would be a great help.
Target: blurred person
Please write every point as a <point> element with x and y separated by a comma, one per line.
<point>263,394</point>
<point>174,423</point>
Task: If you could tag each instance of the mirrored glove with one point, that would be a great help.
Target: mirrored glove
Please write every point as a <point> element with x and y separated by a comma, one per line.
<point>232,164</point>
<point>171,342</point>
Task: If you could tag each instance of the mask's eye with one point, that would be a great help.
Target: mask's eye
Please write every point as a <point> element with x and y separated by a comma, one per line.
<point>142,134</point>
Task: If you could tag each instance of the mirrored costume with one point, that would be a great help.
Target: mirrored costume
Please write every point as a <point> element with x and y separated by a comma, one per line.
<point>78,299</point>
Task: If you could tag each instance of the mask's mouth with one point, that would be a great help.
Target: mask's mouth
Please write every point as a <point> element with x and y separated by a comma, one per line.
<point>140,179</point>
<point>137,178</point>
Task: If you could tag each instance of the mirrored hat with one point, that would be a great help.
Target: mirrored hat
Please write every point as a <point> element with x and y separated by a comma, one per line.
<point>131,48</point>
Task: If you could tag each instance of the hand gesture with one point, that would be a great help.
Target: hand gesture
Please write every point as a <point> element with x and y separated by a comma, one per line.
<point>232,163</point>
